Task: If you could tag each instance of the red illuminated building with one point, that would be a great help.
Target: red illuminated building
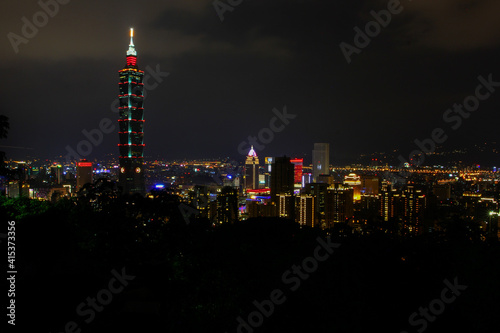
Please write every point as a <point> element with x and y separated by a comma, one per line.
<point>297,174</point>
<point>83,174</point>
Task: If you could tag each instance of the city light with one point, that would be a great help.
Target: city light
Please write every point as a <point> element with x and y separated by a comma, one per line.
<point>361,194</point>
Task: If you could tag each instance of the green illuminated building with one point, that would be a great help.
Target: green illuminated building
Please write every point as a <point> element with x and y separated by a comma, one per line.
<point>131,124</point>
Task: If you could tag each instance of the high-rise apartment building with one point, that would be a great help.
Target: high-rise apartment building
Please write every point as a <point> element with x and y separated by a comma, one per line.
<point>298,164</point>
<point>306,210</point>
<point>339,206</point>
<point>318,192</point>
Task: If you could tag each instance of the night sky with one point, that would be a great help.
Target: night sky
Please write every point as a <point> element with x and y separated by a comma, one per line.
<point>226,77</point>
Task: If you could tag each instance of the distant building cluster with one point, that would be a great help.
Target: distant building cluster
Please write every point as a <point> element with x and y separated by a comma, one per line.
<point>404,201</point>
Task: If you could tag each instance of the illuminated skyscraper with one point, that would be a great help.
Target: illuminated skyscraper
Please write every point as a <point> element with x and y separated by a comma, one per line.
<point>321,160</point>
<point>414,206</point>
<point>83,174</point>
<point>287,206</point>
<point>57,172</point>
<point>252,170</point>
<point>338,206</point>
<point>354,181</point>
<point>227,205</point>
<point>318,192</point>
<point>131,124</point>
<point>298,164</point>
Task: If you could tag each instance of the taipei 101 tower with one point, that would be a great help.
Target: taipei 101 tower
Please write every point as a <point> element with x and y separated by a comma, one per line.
<point>131,124</point>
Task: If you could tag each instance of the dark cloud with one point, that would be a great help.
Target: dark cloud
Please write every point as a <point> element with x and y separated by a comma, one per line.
<point>226,77</point>
<point>452,25</point>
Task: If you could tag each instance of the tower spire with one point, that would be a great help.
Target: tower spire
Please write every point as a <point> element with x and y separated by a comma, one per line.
<point>252,152</point>
<point>131,47</point>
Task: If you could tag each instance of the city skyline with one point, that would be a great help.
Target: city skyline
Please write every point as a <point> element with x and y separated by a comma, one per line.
<point>251,166</point>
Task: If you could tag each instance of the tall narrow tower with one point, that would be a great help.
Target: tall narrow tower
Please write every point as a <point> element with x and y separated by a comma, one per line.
<point>252,170</point>
<point>131,124</point>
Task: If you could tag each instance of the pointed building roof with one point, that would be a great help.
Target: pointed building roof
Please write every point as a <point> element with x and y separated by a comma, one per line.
<point>252,152</point>
<point>131,48</point>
